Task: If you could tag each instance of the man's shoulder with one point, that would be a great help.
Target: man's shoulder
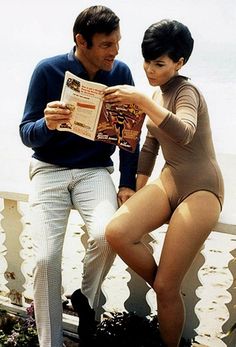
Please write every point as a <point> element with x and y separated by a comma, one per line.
<point>118,64</point>
<point>53,60</point>
<point>120,74</point>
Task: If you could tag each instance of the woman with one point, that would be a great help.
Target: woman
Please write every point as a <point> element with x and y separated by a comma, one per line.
<point>188,195</point>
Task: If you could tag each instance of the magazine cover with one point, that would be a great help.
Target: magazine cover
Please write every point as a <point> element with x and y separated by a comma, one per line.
<point>120,126</point>
<point>96,120</point>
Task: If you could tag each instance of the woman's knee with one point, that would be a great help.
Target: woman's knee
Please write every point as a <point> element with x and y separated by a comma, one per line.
<point>166,290</point>
<point>97,241</point>
<point>115,235</point>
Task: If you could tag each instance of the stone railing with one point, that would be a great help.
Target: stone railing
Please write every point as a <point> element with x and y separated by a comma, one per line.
<point>208,290</point>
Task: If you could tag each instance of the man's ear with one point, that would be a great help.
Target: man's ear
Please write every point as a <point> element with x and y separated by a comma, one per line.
<point>179,63</point>
<point>80,41</point>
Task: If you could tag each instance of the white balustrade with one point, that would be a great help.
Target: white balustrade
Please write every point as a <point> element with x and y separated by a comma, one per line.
<point>208,290</point>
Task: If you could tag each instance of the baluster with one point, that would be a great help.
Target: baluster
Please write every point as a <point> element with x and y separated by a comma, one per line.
<point>142,297</point>
<point>189,289</point>
<point>216,279</point>
<point>114,289</point>
<point>12,226</point>
<point>28,264</point>
<point>230,339</point>
<point>3,262</point>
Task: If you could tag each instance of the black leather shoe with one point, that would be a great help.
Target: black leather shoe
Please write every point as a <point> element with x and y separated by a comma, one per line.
<point>87,322</point>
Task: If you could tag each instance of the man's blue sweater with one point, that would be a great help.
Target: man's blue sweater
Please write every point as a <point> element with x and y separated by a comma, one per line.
<point>63,148</point>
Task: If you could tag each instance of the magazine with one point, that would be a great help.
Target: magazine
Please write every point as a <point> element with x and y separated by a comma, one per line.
<point>96,120</point>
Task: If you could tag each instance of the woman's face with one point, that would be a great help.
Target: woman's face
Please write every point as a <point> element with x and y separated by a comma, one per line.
<point>161,70</point>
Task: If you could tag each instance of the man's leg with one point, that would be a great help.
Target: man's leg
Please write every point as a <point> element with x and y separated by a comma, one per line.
<point>96,199</point>
<point>50,204</point>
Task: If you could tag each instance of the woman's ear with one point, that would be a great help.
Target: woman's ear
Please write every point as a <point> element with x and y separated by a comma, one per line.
<point>179,63</point>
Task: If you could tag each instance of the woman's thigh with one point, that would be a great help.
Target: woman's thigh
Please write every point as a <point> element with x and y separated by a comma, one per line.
<point>145,211</point>
<point>188,228</point>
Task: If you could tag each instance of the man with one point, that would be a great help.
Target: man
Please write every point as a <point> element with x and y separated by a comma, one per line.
<point>69,171</point>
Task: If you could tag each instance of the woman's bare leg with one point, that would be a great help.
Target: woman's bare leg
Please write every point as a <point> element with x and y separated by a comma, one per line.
<point>143,212</point>
<point>188,228</point>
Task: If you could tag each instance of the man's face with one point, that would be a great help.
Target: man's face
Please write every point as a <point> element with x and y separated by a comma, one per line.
<point>102,54</point>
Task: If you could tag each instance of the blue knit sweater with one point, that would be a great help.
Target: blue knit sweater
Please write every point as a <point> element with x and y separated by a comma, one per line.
<point>63,148</point>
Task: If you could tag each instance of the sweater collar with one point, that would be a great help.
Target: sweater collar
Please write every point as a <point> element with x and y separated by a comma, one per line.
<point>79,69</point>
<point>172,83</point>
<point>76,65</point>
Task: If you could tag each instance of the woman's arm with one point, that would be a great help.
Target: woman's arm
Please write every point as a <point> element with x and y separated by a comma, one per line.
<point>125,94</point>
<point>141,181</point>
<point>180,126</point>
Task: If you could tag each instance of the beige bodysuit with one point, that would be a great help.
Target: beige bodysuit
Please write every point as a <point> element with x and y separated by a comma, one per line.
<point>186,142</point>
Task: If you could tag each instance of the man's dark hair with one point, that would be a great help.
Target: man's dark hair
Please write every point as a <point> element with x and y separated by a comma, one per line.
<point>95,19</point>
<point>167,37</point>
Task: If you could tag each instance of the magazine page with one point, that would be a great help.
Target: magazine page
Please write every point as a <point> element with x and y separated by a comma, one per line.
<point>84,99</point>
<point>120,126</point>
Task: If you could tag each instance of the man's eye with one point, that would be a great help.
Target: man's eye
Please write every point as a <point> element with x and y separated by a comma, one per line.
<point>105,45</point>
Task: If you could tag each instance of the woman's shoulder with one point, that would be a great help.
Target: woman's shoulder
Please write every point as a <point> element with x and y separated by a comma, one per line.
<point>186,84</point>
<point>188,89</point>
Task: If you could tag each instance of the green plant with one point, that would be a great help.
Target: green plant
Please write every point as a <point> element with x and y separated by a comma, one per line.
<point>128,329</point>
<point>18,331</point>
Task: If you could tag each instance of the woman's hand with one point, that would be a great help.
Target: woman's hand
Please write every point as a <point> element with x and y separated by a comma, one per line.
<point>56,113</point>
<point>122,94</point>
<point>125,94</point>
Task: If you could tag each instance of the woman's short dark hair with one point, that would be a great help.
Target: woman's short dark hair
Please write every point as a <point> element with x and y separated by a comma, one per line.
<point>95,19</point>
<point>167,37</point>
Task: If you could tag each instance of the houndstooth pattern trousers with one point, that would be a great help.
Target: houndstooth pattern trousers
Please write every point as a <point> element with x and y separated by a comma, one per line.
<point>54,191</point>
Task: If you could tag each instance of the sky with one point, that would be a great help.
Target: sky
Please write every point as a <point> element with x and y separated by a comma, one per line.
<point>32,30</point>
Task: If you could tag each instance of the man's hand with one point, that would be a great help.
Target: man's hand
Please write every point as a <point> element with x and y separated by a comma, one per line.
<point>56,113</point>
<point>124,194</point>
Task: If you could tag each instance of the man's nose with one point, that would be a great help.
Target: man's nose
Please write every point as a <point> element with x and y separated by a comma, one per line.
<point>115,49</point>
